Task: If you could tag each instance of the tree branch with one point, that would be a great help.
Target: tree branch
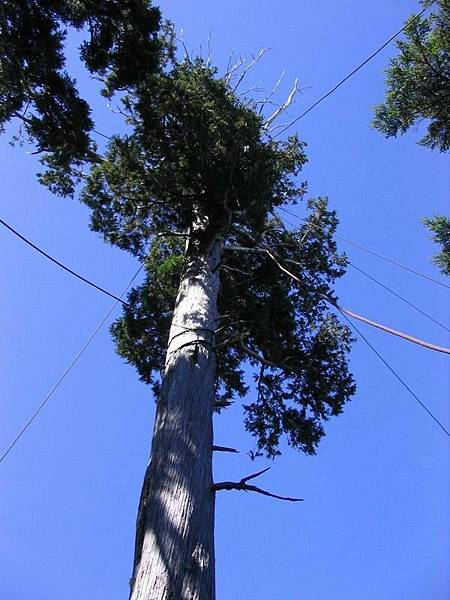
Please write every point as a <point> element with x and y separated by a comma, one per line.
<point>283,107</point>
<point>222,404</point>
<point>234,269</point>
<point>250,65</point>
<point>274,90</point>
<point>258,357</point>
<point>243,486</point>
<point>224,449</point>
<point>243,249</point>
<point>232,68</point>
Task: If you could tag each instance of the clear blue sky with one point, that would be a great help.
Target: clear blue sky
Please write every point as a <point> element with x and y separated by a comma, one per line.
<point>375,521</point>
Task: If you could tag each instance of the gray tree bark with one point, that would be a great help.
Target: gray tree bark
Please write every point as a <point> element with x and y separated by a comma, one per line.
<point>174,554</point>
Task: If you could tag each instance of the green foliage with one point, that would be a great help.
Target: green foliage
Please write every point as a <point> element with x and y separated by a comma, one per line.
<point>195,147</point>
<point>418,81</point>
<point>440,226</point>
<point>142,332</point>
<point>122,47</point>
<point>418,87</point>
<point>198,163</point>
<point>278,327</point>
<point>303,378</point>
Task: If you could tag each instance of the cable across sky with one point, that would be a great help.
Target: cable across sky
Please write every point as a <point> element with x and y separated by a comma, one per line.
<point>369,251</point>
<point>355,70</point>
<point>60,264</point>
<point>67,370</point>
<point>346,314</point>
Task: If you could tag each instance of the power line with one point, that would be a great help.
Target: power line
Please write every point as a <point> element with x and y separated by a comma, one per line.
<point>390,330</point>
<point>384,328</point>
<point>355,70</point>
<point>108,137</point>
<point>391,291</point>
<point>344,313</point>
<point>67,370</point>
<point>396,375</point>
<point>395,262</point>
<point>74,273</point>
<point>61,265</point>
<point>369,251</point>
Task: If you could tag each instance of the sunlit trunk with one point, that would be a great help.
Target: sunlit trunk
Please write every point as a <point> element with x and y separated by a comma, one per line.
<point>174,557</point>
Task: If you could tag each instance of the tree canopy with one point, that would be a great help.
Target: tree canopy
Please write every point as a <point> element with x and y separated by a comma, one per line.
<point>418,89</point>
<point>199,163</point>
<point>418,80</point>
<point>440,228</point>
<point>122,45</point>
<point>198,149</point>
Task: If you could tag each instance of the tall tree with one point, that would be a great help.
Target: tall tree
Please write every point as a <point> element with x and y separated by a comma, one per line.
<point>418,89</point>
<point>192,192</point>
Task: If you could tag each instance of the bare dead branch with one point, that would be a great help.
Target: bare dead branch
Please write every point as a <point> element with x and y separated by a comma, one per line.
<point>255,60</point>
<point>228,325</point>
<point>277,262</point>
<point>209,59</point>
<point>181,40</point>
<point>268,98</point>
<point>231,69</point>
<point>254,475</point>
<point>283,107</point>
<point>224,449</point>
<point>254,88</point>
<point>243,486</point>
<point>225,316</point>
<point>228,268</point>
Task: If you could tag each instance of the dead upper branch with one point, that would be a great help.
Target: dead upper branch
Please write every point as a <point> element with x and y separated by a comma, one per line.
<point>281,109</point>
<point>243,486</point>
<point>231,69</point>
<point>255,60</point>
<point>268,98</point>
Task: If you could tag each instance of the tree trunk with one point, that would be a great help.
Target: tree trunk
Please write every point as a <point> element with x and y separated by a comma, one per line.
<point>174,554</point>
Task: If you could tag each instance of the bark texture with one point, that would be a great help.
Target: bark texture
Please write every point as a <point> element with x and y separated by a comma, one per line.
<point>174,554</point>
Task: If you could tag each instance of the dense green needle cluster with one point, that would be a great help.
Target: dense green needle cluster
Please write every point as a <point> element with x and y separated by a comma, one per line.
<point>278,327</point>
<point>418,88</point>
<point>123,44</point>
<point>197,165</point>
<point>440,228</point>
<point>418,80</point>
<point>197,149</point>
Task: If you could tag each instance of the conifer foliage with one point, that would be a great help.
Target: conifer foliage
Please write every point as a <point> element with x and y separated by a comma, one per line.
<point>418,79</point>
<point>197,170</point>
<point>196,149</point>
<point>418,89</point>
<point>122,45</point>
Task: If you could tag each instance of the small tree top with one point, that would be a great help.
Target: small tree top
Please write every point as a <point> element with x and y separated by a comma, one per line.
<point>418,80</point>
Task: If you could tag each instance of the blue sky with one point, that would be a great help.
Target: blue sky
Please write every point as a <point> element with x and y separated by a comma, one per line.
<point>375,521</point>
